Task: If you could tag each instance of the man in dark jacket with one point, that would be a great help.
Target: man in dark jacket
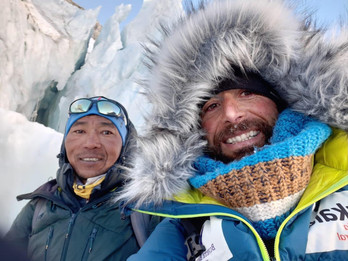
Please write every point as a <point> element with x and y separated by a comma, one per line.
<point>69,218</point>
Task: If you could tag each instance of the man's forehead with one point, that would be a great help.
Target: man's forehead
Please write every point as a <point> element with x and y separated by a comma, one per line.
<point>218,95</point>
<point>94,118</point>
<point>232,90</point>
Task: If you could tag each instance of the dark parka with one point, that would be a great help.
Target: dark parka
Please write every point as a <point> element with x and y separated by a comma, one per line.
<point>68,228</point>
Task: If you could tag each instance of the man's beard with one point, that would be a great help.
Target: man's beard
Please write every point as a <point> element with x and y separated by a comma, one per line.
<point>216,152</point>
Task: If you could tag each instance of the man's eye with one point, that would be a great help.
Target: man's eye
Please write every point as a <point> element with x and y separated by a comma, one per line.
<point>211,107</point>
<point>106,132</point>
<point>78,131</point>
<point>246,93</point>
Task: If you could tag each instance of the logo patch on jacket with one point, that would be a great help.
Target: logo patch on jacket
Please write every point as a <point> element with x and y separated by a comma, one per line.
<point>329,225</point>
<point>214,241</point>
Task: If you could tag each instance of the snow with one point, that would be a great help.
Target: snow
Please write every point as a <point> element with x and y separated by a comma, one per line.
<point>48,58</point>
<point>28,158</point>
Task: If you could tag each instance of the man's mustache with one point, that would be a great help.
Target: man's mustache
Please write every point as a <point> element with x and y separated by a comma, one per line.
<point>230,129</point>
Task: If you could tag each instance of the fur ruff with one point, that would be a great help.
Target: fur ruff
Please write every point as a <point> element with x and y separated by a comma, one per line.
<point>263,36</point>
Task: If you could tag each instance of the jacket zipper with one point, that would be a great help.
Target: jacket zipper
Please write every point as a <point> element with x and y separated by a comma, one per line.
<point>72,222</point>
<point>91,239</point>
<point>67,236</point>
<point>261,244</point>
<point>48,240</point>
<point>90,242</point>
<point>295,212</point>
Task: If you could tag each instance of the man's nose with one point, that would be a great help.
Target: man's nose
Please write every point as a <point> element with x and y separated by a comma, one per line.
<point>92,140</point>
<point>233,111</point>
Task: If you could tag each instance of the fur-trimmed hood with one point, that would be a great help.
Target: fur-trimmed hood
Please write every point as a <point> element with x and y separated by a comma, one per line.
<point>308,70</point>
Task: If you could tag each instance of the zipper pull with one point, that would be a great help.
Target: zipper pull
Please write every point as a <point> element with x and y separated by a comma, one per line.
<point>92,238</point>
<point>50,234</point>
<point>71,222</point>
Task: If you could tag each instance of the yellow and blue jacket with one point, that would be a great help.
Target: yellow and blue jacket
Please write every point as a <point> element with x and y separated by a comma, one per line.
<point>316,229</point>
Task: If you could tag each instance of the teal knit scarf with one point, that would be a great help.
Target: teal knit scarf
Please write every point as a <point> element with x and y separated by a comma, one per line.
<point>266,186</point>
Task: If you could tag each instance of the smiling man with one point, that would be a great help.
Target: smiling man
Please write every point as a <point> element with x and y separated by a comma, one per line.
<point>69,218</point>
<point>92,145</point>
<point>235,128</point>
<point>246,151</point>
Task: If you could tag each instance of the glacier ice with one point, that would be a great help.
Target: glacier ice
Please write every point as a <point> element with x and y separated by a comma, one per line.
<point>48,57</point>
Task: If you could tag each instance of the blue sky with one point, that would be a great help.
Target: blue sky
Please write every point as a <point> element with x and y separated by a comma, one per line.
<point>108,7</point>
<point>328,11</point>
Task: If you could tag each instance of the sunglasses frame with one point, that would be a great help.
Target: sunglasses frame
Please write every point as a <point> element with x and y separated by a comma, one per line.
<point>95,100</point>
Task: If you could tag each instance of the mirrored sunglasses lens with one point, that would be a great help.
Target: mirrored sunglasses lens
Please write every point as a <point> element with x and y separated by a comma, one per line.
<point>80,106</point>
<point>108,108</point>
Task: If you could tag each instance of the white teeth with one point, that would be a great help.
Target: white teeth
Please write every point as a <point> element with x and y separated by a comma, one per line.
<point>243,137</point>
<point>90,159</point>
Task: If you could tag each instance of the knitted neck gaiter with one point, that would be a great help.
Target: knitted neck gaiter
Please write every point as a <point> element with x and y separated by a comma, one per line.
<point>266,186</point>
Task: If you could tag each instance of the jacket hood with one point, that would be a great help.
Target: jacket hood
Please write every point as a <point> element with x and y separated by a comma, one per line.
<point>114,177</point>
<point>308,70</point>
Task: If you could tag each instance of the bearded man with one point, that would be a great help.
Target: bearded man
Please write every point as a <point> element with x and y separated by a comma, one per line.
<point>247,147</point>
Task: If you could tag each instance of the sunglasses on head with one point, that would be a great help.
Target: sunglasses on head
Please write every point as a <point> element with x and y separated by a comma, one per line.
<point>104,106</point>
